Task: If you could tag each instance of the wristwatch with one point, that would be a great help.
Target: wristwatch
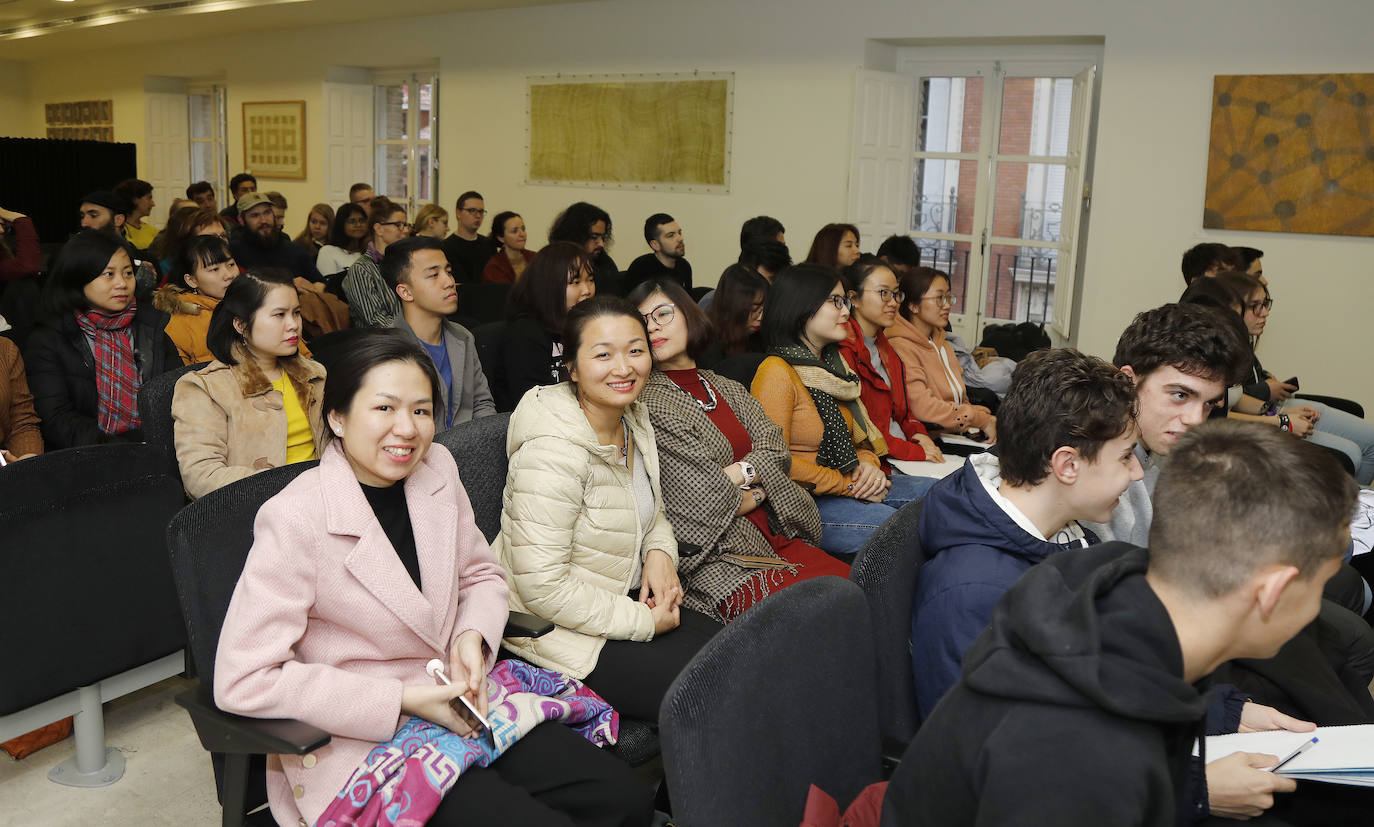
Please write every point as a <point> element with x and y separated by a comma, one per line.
<point>1284,423</point>
<point>747,469</point>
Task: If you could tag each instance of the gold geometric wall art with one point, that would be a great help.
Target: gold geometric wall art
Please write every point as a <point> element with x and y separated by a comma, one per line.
<point>1292,154</point>
<point>80,120</point>
<point>274,138</point>
<point>666,131</point>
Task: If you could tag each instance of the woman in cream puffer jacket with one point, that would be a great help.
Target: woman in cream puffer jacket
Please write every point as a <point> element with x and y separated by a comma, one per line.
<point>572,545</point>
<point>569,530</point>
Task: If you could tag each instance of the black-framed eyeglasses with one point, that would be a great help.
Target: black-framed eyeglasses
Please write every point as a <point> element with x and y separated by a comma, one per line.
<point>840,302</point>
<point>392,223</point>
<point>661,315</point>
<point>474,211</point>
<point>884,294</point>
<point>1256,307</point>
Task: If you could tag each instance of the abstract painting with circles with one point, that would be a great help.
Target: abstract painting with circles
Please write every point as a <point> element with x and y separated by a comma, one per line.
<point>1292,154</point>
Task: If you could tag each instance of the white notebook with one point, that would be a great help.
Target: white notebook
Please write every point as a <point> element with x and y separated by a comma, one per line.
<point>1342,754</point>
<point>922,468</point>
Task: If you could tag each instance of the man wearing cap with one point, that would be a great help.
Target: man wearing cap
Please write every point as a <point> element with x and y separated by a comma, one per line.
<point>259,243</point>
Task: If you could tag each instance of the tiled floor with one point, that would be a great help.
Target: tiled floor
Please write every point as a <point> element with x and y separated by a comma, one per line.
<point>167,776</point>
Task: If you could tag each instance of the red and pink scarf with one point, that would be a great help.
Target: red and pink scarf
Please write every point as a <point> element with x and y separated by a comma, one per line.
<point>116,371</point>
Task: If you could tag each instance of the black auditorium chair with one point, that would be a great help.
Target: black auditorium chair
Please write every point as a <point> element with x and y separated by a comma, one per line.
<point>87,590</point>
<point>479,449</point>
<point>155,411</point>
<point>780,699</point>
<point>481,303</point>
<point>487,338</point>
<point>885,568</point>
<point>740,368</point>
<point>209,541</point>
<point>325,349</point>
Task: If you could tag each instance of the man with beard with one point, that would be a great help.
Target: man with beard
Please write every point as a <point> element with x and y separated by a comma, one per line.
<point>260,243</point>
<point>667,258</point>
<point>589,227</point>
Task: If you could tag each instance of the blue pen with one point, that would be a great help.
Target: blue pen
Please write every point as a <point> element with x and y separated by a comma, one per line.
<point>1306,745</point>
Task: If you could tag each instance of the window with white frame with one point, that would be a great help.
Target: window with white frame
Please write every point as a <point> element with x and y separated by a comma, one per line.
<point>994,154</point>
<point>206,113</point>
<point>404,125</point>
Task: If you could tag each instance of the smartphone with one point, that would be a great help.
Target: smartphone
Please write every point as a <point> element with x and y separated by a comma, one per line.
<point>976,434</point>
<point>469,714</point>
<point>1293,382</point>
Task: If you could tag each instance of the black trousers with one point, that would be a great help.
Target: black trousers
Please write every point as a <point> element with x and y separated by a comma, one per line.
<point>634,676</point>
<point>552,776</point>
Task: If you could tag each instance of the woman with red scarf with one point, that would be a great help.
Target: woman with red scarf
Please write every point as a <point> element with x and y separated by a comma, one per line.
<point>96,347</point>
<point>876,298</point>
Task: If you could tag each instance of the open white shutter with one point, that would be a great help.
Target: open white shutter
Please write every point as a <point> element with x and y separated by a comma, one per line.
<point>167,163</point>
<point>1076,190</point>
<point>348,138</point>
<point>881,156</point>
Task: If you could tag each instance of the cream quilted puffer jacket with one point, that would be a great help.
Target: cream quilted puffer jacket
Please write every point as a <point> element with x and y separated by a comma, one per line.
<point>570,530</point>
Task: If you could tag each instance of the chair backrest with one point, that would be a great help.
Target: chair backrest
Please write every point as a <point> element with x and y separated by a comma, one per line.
<point>487,338</point>
<point>329,347</point>
<point>155,410</point>
<point>782,698</point>
<point>741,367</point>
<point>479,303</point>
<point>209,542</point>
<point>87,589</point>
<point>885,568</point>
<point>479,448</point>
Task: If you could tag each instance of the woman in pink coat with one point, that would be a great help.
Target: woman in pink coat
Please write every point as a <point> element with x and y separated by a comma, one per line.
<point>365,568</point>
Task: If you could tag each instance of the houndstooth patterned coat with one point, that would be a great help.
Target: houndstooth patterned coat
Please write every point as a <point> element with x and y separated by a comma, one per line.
<point>700,500</point>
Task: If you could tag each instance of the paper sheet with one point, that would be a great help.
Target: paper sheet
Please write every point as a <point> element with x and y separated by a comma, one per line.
<point>928,469</point>
<point>1342,754</point>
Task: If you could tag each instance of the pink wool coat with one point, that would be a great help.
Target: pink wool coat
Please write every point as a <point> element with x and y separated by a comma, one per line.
<point>326,625</point>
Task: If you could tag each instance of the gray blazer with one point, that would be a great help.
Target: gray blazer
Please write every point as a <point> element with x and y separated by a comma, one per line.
<point>469,383</point>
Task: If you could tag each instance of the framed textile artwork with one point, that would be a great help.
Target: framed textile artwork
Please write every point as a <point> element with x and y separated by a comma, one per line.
<point>667,132</point>
<point>274,138</point>
<point>80,120</point>
<point>1292,154</point>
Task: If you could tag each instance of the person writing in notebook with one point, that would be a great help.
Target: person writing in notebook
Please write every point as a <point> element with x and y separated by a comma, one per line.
<point>1081,703</point>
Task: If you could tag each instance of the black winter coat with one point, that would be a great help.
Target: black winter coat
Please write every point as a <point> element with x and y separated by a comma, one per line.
<point>61,372</point>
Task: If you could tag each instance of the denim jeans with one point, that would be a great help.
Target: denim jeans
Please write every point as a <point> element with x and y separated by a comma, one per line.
<point>1344,432</point>
<point>847,522</point>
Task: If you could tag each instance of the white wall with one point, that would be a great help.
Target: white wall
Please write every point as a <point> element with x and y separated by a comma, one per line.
<point>794,62</point>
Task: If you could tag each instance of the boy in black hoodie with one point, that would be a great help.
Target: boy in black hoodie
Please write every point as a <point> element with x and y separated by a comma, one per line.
<point>1078,705</point>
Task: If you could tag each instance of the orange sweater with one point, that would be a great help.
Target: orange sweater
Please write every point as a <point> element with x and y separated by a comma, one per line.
<point>787,402</point>
<point>19,432</point>
<point>930,395</point>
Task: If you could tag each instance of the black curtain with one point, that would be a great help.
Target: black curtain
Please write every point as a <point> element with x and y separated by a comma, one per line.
<point>45,179</point>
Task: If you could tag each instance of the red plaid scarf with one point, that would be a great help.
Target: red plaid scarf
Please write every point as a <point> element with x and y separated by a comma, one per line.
<point>116,372</point>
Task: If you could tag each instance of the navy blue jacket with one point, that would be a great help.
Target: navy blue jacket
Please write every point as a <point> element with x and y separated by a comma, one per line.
<point>973,553</point>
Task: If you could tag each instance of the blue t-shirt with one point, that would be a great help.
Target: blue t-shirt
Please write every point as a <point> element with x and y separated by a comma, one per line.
<point>439,353</point>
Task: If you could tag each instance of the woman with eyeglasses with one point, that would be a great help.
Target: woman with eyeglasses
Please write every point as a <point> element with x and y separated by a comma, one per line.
<point>807,389</point>
<point>935,388</point>
<point>371,301</point>
<point>1330,427</point>
<point>735,314</point>
<point>347,240</point>
<point>875,298</point>
<point>743,528</point>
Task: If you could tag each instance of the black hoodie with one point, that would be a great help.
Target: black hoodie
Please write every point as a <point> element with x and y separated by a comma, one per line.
<point>1072,709</point>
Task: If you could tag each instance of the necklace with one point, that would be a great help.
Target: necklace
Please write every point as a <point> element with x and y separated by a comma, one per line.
<point>711,399</point>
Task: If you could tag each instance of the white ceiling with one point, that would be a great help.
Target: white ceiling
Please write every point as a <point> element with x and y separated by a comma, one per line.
<point>35,29</point>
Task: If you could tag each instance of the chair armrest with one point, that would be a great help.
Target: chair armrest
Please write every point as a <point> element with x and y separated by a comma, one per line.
<point>521,624</point>
<point>891,754</point>
<point>221,731</point>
